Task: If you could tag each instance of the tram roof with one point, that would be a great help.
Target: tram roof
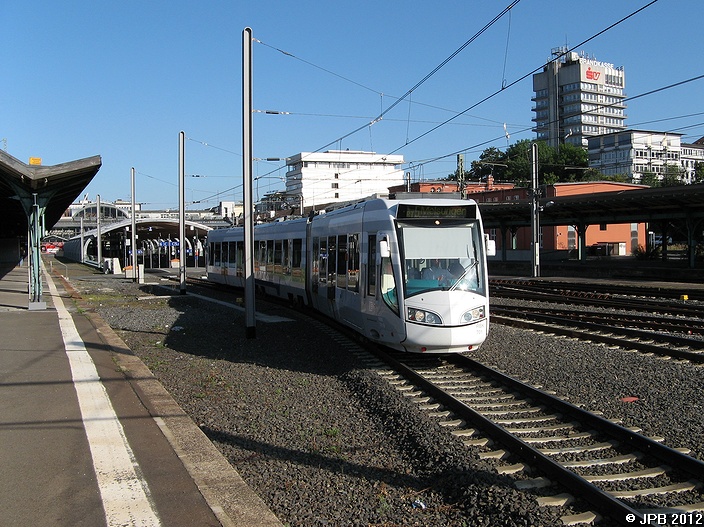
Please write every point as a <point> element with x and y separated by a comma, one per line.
<point>56,186</point>
<point>632,206</point>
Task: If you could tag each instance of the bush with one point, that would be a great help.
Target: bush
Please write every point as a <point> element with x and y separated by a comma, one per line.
<point>641,253</point>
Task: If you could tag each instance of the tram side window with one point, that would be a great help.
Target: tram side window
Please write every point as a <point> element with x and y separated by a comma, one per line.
<point>260,261</point>
<point>269,256</point>
<point>216,253</point>
<point>388,285</point>
<point>297,257</point>
<point>353,263</point>
<point>277,256</point>
<point>314,263</point>
<point>223,255</point>
<point>285,257</point>
<point>332,262</point>
<point>231,255</point>
<point>371,266</point>
<point>342,256</point>
<point>323,261</point>
<point>239,265</point>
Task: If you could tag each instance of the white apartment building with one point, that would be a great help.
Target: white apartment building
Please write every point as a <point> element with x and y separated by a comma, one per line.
<point>692,154</point>
<point>638,152</point>
<point>318,178</point>
<point>578,97</point>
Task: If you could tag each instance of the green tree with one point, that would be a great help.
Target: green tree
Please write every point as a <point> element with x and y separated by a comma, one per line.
<point>595,175</point>
<point>673,176</point>
<point>455,176</point>
<point>518,161</point>
<point>571,162</point>
<point>491,161</point>
<point>650,179</point>
<point>698,172</point>
<point>567,163</point>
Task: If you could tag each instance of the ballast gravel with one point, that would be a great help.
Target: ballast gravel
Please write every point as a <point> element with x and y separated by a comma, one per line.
<point>325,441</point>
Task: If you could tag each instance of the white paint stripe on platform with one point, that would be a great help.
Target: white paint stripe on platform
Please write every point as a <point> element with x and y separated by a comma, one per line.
<point>125,494</point>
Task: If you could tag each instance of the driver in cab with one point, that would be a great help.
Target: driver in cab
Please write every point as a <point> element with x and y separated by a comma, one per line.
<point>435,271</point>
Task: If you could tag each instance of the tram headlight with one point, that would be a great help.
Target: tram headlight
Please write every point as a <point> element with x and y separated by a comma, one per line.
<point>473,315</point>
<point>424,317</point>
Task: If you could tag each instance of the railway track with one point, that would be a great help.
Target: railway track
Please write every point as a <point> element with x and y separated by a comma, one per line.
<point>570,457</point>
<point>621,474</point>
<point>634,300</point>
<point>656,335</point>
<point>685,326</point>
<point>596,289</point>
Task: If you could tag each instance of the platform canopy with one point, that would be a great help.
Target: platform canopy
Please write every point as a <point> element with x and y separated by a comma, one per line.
<point>56,186</point>
<point>685,202</point>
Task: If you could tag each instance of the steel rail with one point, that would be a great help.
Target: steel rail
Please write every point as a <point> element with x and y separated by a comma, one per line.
<point>603,501</point>
<point>620,318</point>
<point>693,291</point>
<point>613,303</point>
<point>667,455</point>
<point>549,326</point>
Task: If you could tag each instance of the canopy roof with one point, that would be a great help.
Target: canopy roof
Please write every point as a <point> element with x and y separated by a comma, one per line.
<point>632,206</point>
<point>56,187</point>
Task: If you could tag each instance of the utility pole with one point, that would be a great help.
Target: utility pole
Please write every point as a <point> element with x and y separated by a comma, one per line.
<point>182,211</point>
<point>98,236</point>
<point>250,320</point>
<point>133,235</point>
<point>535,213</point>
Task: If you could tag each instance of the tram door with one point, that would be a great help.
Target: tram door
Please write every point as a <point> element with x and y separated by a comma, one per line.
<point>381,309</point>
<point>322,274</point>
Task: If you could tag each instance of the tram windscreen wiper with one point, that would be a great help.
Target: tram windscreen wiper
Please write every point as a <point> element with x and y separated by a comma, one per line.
<point>461,277</point>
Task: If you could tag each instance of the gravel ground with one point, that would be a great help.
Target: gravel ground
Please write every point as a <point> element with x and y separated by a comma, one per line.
<point>670,393</point>
<point>324,441</point>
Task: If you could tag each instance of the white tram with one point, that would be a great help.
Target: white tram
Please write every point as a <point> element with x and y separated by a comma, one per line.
<point>409,274</point>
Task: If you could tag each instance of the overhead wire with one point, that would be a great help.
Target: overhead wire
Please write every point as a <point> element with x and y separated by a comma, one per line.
<point>669,118</point>
<point>330,72</point>
<point>422,163</point>
<point>382,111</point>
<point>417,85</point>
<point>508,35</point>
<point>380,93</point>
<point>651,92</point>
<point>504,86</point>
<point>426,77</point>
<point>437,68</point>
<point>525,76</point>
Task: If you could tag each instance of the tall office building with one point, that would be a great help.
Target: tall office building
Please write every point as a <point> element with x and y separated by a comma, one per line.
<point>315,178</point>
<point>577,97</point>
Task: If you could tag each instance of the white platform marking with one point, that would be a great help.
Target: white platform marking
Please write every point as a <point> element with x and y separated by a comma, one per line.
<point>125,494</point>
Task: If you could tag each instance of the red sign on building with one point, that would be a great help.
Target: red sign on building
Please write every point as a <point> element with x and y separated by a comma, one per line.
<point>593,75</point>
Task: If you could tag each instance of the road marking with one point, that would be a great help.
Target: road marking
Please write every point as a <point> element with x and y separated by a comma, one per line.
<point>124,492</point>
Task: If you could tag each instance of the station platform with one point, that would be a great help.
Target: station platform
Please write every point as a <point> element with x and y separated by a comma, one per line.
<point>88,437</point>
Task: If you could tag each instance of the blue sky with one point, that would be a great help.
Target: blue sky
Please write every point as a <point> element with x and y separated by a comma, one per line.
<point>122,79</point>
